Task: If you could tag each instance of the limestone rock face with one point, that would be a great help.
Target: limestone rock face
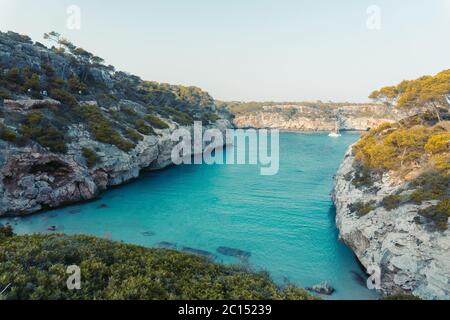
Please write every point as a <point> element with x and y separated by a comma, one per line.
<point>307,118</point>
<point>412,257</point>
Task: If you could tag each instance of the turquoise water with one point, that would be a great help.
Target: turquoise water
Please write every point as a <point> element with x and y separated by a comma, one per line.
<point>286,221</point>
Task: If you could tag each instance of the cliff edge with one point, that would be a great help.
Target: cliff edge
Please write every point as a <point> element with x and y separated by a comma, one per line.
<point>393,206</point>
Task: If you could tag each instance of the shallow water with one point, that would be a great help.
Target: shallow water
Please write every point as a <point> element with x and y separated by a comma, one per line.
<point>285,221</point>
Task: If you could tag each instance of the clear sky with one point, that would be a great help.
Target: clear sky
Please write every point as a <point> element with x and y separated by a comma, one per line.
<point>282,50</point>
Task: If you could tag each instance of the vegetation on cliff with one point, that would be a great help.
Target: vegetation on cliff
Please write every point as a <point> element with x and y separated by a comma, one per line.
<point>114,106</point>
<point>430,91</point>
<point>415,150</point>
<point>35,267</point>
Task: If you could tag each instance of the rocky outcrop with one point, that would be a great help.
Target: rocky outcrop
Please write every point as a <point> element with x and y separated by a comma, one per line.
<point>412,257</point>
<point>71,127</point>
<point>310,118</point>
<point>33,179</point>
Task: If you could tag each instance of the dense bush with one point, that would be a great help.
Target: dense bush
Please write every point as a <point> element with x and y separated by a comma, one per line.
<point>430,186</point>
<point>75,85</point>
<point>64,97</point>
<point>391,202</point>
<point>403,146</point>
<point>362,178</point>
<point>90,156</point>
<point>362,208</point>
<point>439,214</point>
<point>156,122</point>
<point>133,135</point>
<point>102,129</point>
<point>6,231</point>
<point>33,83</point>
<point>39,129</point>
<point>7,134</point>
<point>143,128</point>
<point>180,117</point>
<point>36,265</point>
<point>4,94</point>
<point>209,118</point>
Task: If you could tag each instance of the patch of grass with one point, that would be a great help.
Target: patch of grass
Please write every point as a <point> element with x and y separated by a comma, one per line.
<point>156,122</point>
<point>90,156</point>
<point>143,128</point>
<point>209,118</point>
<point>391,202</point>
<point>180,117</point>
<point>64,97</point>
<point>4,94</point>
<point>430,186</point>
<point>439,214</point>
<point>39,129</point>
<point>401,147</point>
<point>362,208</point>
<point>133,135</point>
<point>102,129</point>
<point>363,177</point>
<point>7,134</point>
<point>35,266</point>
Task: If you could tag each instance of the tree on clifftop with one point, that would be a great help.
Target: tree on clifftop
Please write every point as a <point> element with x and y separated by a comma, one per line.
<point>429,91</point>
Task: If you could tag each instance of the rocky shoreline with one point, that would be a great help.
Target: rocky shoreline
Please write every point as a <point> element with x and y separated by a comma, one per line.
<point>413,258</point>
<point>33,179</point>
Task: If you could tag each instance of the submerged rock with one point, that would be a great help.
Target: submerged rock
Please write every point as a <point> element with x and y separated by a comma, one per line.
<point>166,245</point>
<point>102,206</point>
<point>148,233</point>
<point>74,211</point>
<point>232,252</point>
<point>322,288</point>
<point>199,252</point>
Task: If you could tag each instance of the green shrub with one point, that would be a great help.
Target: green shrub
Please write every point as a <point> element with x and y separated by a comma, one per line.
<point>4,94</point>
<point>6,231</point>
<point>156,122</point>
<point>430,186</point>
<point>208,118</point>
<point>143,128</point>
<point>75,85</point>
<point>133,135</point>
<point>14,76</point>
<point>33,83</point>
<point>36,266</point>
<point>90,156</point>
<point>391,202</point>
<point>439,214</point>
<point>129,111</point>
<point>362,208</point>
<point>363,177</point>
<point>35,127</point>
<point>7,134</point>
<point>179,117</point>
<point>64,97</point>
<point>102,129</point>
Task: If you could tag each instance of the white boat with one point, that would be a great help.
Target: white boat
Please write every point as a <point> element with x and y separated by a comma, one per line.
<point>336,133</point>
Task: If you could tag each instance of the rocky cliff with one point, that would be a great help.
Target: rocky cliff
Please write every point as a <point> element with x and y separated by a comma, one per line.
<point>397,220</point>
<point>71,127</point>
<point>320,117</point>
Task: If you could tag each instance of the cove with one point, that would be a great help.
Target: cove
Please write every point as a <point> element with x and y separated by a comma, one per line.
<point>282,224</point>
